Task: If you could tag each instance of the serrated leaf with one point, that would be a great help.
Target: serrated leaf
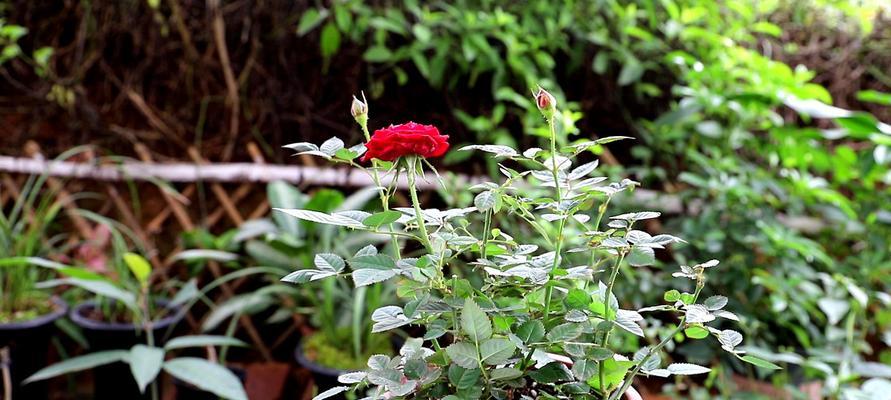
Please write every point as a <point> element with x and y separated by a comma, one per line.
<point>503,374</point>
<point>322,218</point>
<point>715,302</point>
<point>367,276</point>
<point>474,322</point>
<point>531,331</point>
<point>551,373</point>
<point>641,256</point>
<point>329,262</point>
<point>331,146</point>
<point>729,339</point>
<point>464,354</point>
<point>463,378</point>
<point>485,200</point>
<point>382,218</point>
<point>565,332</point>
<point>375,261</point>
<point>584,369</point>
<point>331,392</point>
<point>496,351</point>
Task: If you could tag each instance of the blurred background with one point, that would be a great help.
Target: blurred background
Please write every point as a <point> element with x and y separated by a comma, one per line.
<point>759,131</point>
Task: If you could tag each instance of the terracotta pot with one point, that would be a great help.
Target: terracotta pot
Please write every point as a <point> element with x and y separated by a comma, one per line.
<point>27,343</point>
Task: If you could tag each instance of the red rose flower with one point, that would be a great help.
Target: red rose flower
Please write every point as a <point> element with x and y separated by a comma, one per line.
<point>395,141</point>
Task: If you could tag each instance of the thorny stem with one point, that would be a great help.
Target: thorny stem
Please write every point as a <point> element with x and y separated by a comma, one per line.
<point>385,201</point>
<point>700,282</point>
<point>425,238</point>
<point>559,240</point>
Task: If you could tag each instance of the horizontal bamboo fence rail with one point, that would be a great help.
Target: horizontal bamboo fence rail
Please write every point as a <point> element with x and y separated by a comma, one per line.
<point>303,175</point>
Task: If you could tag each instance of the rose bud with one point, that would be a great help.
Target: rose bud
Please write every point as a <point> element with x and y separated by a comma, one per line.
<point>358,108</point>
<point>546,103</point>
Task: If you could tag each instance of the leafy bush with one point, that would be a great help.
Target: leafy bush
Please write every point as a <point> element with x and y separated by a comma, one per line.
<point>537,325</point>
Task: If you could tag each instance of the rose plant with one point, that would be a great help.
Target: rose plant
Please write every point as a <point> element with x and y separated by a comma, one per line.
<point>540,322</point>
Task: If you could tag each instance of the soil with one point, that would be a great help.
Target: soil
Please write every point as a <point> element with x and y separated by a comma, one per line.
<point>33,308</point>
<point>119,315</point>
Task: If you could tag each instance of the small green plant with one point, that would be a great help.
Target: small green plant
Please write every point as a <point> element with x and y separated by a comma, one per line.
<point>543,322</point>
<point>25,231</point>
<point>137,306</point>
<point>147,361</point>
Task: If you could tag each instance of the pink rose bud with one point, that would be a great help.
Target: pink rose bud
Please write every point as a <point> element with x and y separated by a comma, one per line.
<point>546,102</point>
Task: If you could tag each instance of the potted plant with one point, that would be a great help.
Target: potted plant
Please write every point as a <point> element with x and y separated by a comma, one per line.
<point>27,314</point>
<point>544,321</point>
<point>127,324</point>
<point>338,314</point>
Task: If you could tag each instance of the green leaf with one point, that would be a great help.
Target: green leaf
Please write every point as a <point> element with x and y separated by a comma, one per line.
<point>375,261</point>
<point>101,288</point>
<point>331,392</point>
<point>531,331</point>
<point>687,369</point>
<point>463,378</point>
<point>284,195</point>
<point>760,362</point>
<point>577,299</point>
<point>378,54</point>
<point>613,373</point>
<point>696,332</point>
<point>80,363</point>
<point>672,296</point>
<point>202,341</point>
<point>873,96</point>
<point>584,369</point>
<point>551,373</point>
<point>382,218</point>
<point>207,376</point>
<point>503,374</point>
<point>474,322</point>
<point>322,218</point>
<point>329,262</point>
<point>310,19</point>
<point>485,200</point>
<point>496,351</point>
<point>330,40</point>
<point>464,354</point>
<point>139,266</point>
<point>641,256</point>
<point>367,276</point>
<point>145,363</point>
<point>631,72</point>
<point>565,332</point>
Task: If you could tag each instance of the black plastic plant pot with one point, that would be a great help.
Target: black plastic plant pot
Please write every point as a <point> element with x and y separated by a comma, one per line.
<point>324,377</point>
<point>186,391</point>
<point>27,343</point>
<point>115,381</point>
